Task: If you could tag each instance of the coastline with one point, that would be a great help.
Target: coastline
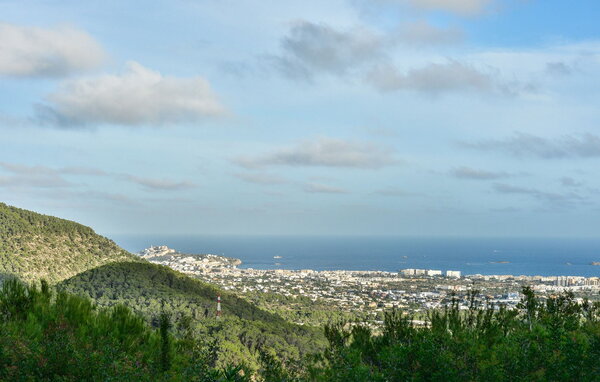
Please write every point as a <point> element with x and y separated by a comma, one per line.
<point>199,264</point>
<point>519,257</point>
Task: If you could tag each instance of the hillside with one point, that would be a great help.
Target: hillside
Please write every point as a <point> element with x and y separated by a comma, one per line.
<point>77,260</point>
<point>240,333</point>
<point>35,246</point>
<point>147,283</point>
<point>49,336</point>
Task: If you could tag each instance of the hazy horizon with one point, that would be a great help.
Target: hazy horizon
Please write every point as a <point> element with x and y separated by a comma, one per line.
<point>515,256</point>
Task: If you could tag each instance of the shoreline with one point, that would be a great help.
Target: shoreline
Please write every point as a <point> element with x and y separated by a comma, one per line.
<point>499,277</point>
<point>499,268</point>
<point>463,275</point>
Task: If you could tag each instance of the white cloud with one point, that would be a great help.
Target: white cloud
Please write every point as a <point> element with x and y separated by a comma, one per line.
<point>44,52</point>
<point>521,144</point>
<point>460,7</point>
<point>567,181</point>
<point>313,47</point>
<point>318,188</point>
<point>138,97</point>
<point>424,33</point>
<point>86,171</point>
<point>556,200</point>
<point>558,69</point>
<point>397,59</point>
<point>47,177</point>
<point>395,191</point>
<point>158,184</point>
<point>478,174</point>
<point>433,78</point>
<point>23,176</point>
<point>261,178</point>
<point>328,152</point>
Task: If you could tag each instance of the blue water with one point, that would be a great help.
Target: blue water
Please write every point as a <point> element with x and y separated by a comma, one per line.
<point>546,257</point>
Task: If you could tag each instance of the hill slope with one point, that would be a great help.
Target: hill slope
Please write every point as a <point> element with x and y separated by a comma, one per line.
<point>239,334</point>
<point>35,246</point>
<point>143,284</point>
<point>76,259</point>
<point>49,336</point>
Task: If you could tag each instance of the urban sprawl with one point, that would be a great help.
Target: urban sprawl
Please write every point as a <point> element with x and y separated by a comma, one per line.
<point>370,293</point>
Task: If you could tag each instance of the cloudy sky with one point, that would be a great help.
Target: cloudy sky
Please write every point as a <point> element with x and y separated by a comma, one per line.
<point>400,117</point>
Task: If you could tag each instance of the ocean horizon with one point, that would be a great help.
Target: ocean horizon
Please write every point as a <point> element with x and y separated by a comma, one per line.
<point>486,256</point>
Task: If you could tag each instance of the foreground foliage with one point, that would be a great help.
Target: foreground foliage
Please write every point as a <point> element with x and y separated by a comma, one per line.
<point>59,336</point>
<point>553,340</point>
<point>240,334</point>
<point>62,337</point>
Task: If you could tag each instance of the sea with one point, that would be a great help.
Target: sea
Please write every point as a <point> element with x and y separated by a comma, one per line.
<point>486,256</point>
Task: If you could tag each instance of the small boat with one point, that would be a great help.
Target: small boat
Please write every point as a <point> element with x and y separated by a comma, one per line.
<point>277,257</point>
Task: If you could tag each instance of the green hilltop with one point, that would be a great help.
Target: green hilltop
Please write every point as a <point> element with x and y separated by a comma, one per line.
<point>147,287</point>
<point>35,246</point>
<point>241,332</point>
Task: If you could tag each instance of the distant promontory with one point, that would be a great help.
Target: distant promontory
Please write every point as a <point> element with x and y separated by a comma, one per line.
<point>187,263</point>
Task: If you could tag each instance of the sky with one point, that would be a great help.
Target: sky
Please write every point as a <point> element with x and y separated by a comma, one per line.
<point>465,118</point>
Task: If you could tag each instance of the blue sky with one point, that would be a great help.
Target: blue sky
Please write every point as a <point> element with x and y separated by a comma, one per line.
<point>346,117</point>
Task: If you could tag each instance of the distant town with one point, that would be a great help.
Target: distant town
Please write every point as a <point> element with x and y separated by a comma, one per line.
<point>368,294</point>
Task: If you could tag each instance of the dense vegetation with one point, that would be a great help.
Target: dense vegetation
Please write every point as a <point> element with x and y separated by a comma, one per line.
<point>242,331</point>
<point>35,246</point>
<point>306,311</point>
<point>59,336</point>
<point>62,337</point>
<point>555,340</point>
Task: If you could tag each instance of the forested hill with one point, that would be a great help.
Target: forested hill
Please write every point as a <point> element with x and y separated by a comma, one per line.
<point>150,287</point>
<point>240,333</point>
<point>72,256</point>
<point>35,246</point>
